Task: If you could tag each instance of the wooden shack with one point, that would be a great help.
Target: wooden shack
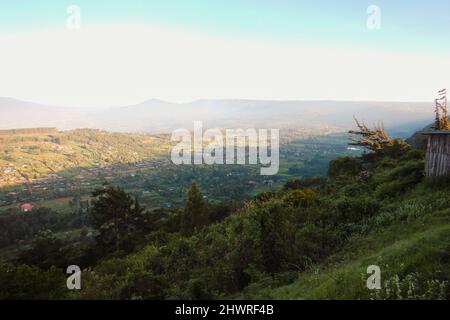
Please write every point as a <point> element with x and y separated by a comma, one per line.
<point>437,161</point>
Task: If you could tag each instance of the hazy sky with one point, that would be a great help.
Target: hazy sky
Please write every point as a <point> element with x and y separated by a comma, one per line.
<point>178,50</point>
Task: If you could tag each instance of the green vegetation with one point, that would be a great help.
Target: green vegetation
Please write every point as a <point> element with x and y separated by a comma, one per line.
<point>27,155</point>
<point>312,239</point>
<point>195,216</point>
<point>117,217</point>
<point>49,168</point>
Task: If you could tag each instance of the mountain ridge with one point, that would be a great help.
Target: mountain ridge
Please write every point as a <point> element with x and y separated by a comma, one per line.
<point>159,116</point>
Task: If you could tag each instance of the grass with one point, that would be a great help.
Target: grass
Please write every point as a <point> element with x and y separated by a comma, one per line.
<point>419,246</point>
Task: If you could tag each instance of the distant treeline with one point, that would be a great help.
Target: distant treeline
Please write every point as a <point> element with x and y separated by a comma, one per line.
<point>29,131</point>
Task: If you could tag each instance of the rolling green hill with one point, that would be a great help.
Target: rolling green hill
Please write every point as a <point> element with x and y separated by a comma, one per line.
<point>29,154</point>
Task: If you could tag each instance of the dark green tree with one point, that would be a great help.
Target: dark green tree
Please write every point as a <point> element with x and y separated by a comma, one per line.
<point>345,166</point>
<point>31,283</point>
<point>45,251</point>
<point>195,215</point>
<point>272,239</point>
<point>118,218</point>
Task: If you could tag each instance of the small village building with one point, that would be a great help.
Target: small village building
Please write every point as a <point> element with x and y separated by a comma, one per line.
<point>437,161</point>
<point>26,207</point>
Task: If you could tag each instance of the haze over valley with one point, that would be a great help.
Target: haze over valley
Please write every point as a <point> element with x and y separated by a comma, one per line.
<point>156,116</point>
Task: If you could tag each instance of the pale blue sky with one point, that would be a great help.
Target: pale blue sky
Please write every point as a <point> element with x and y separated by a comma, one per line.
<point>406,25</point>
<point>128,51</point>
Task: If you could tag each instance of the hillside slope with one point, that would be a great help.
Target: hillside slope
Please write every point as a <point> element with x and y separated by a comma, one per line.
<point>415,247</point>
<point>313,240</point>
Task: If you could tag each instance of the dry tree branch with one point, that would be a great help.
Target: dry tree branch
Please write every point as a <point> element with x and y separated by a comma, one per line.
<point>441,121</point>
<point>373,139</point>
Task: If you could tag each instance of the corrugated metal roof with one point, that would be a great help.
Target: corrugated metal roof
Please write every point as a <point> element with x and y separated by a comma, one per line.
<point>436,132</point>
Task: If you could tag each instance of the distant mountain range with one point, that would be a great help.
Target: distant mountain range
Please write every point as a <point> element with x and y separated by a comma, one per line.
<point>156,116</point>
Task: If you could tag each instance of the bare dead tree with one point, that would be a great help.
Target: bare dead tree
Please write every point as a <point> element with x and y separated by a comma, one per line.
<point>373,139</point>
<point>441,122</point>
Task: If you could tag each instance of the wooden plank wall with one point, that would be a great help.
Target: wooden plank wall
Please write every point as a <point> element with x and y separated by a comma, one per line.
<point>438,155</point>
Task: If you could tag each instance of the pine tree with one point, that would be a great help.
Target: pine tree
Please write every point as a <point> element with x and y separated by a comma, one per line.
<point>195,215</point>
<point>117,217</point>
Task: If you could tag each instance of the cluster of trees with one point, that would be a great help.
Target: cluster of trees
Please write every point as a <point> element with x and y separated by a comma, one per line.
<point>270,240</point>
<point>27,131</point>
<point>16,226</point>
<point>35,153</point>
<point>210,250</point>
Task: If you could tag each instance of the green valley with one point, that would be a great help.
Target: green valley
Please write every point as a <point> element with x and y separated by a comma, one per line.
<point>305,235</point>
